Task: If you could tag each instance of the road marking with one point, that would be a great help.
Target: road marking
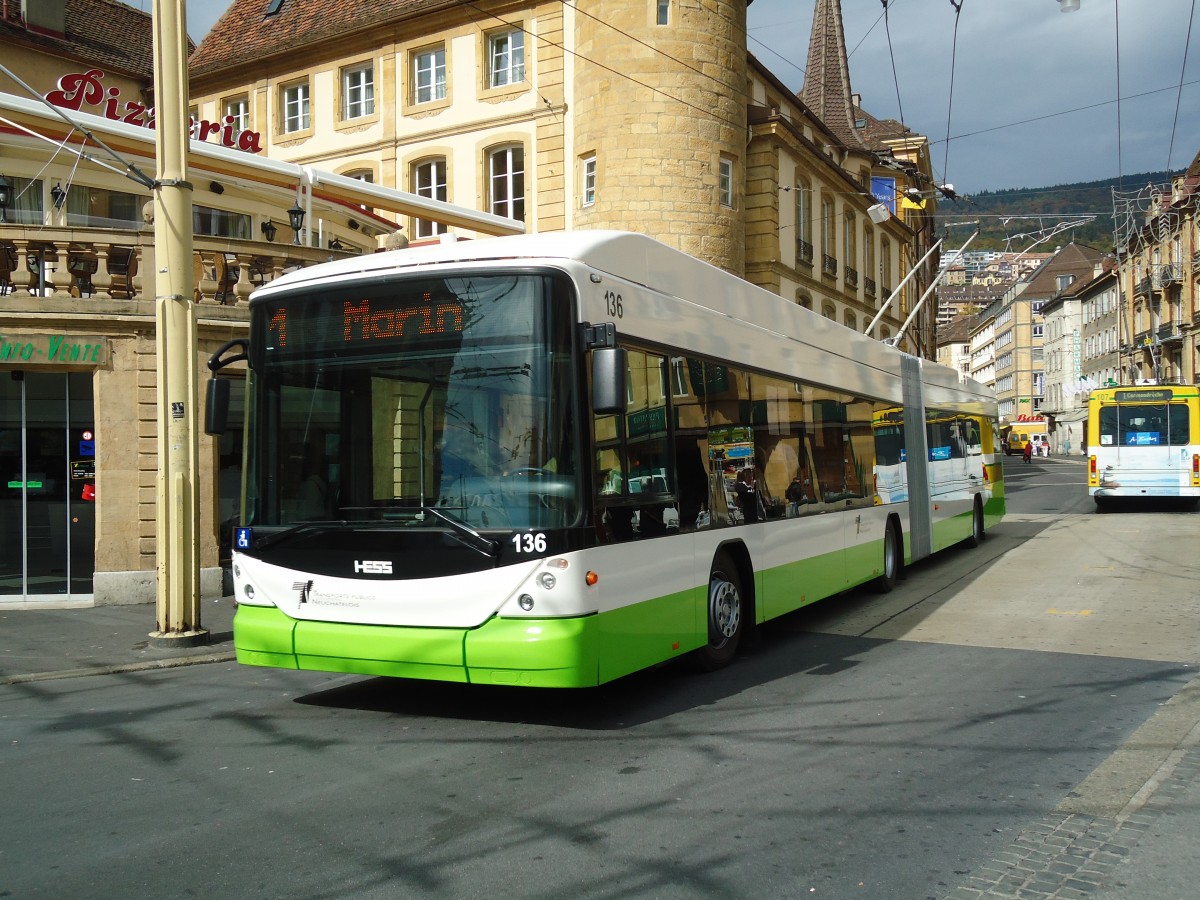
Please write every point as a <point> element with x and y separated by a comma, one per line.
<point>1068,612</point>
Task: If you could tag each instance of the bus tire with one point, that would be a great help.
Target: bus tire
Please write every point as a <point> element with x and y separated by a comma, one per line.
<point>726,612</point>
<point>977,533</point>
<point>892,556</point>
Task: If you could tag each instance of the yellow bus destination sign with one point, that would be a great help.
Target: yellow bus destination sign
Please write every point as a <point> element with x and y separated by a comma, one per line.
<point>28,350</point>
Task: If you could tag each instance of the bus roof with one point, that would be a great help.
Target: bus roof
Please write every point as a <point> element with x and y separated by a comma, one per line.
<point>634,258</point>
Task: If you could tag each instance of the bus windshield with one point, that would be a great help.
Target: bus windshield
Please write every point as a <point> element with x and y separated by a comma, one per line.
<point>420,402</point>
<point>1144,425</point>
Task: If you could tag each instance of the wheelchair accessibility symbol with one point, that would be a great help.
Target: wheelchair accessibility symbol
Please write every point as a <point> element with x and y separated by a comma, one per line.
<point>241,538</point>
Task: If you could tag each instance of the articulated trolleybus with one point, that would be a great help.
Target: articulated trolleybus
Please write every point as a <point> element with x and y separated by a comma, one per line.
<point>553,460</point>
<point>1144,442</point>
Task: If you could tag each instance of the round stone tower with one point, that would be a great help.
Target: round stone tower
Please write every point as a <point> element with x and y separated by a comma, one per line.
<point>662,110</point>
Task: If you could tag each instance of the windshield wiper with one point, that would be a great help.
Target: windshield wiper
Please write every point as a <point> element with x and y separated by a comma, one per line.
<point>470,536</point>
<point>268,540</point>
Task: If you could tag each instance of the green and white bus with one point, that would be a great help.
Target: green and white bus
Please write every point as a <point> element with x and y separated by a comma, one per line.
<point>517,461</point>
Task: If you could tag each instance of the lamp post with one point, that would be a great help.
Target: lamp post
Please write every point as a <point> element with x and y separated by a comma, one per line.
<point>177,483</point>
<point>296,219</point>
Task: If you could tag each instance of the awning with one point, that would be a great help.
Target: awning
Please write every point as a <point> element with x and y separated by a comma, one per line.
<point>33,124</point>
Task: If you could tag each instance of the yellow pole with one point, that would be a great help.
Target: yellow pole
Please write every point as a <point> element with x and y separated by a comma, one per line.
<point>178,567</point>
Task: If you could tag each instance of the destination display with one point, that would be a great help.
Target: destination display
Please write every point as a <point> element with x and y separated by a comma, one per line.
<point>414,315</point>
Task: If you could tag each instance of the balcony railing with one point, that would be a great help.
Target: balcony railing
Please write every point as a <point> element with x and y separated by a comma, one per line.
<point>102,265</point>
<point>1169,334</point>
<point>1143,287</point>
<point>828,265</point>
<point>1166,275</point>
<point>804,251</point>
<point>851,277</point>
<point>869,286</point>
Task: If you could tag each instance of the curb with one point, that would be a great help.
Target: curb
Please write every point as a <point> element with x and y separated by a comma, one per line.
<point>197,660</point>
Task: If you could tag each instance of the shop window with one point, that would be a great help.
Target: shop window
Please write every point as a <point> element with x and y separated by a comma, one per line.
<point>90,207</point>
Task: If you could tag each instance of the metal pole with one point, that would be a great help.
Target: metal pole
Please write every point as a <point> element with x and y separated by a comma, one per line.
<point>896,293</point>
<point>933,284</point>
<point>178,567</point>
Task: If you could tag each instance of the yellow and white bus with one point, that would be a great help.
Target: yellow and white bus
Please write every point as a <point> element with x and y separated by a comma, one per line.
<point>1144,441</point>
<point>552,460</point>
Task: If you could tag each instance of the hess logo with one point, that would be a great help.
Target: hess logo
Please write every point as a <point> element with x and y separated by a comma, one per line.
<point>373,567</point>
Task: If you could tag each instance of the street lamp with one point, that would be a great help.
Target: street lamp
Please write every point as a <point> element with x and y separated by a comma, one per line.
<point>268,230</point>
<point>58,195</point>
<point>296,219</point>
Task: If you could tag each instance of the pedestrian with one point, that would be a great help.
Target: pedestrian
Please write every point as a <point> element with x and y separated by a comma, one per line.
<point>747,492</point>
<point>1028,450</point>
<point>795,496</point>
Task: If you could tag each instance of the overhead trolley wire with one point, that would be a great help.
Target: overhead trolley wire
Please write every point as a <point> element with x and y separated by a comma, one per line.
<point>1179,92</point>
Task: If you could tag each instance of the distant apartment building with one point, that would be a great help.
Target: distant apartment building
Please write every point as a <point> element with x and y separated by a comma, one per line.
<point>1065,357</point>
<point>1018,329</point>
<point>1159,265</point>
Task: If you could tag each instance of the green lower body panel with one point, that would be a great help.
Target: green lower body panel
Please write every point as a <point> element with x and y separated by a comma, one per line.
<point>577,652</point>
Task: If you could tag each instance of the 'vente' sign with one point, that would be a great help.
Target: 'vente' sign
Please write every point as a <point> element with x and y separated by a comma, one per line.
<point>77,89</point>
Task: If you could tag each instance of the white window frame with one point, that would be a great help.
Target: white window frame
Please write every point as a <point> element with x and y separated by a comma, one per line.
<point>358,91</point>
<point>725,182</point>
<point>429,75</point>
<point>506,58</point>
<point>239,109</point>
<point>296,112</point>
<point>504,198</point>
<point>589,181</point>
<point>429,180</point>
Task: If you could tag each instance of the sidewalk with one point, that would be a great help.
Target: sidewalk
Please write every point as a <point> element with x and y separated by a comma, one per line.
<point>37,644</point>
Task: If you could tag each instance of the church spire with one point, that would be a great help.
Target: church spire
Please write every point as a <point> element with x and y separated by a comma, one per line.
<point>827,80</point>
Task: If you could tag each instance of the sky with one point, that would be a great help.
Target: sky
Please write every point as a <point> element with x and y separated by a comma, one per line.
<point>1027,94</point>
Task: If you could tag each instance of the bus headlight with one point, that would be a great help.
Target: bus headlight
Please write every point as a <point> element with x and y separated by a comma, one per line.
<point>525,602</point>
<point>547,580</point>
<point>249,592</point>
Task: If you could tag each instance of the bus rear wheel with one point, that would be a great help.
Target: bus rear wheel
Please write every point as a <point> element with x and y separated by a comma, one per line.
<point>977,533</point>
<point>891,560</point>
<point>725,615</point>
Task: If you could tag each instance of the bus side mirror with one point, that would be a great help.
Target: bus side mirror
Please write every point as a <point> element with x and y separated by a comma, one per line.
<point>216,411</point>
<point>609,365</point>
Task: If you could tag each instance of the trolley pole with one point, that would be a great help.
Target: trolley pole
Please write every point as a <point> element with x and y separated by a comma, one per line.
<point>176,489</point>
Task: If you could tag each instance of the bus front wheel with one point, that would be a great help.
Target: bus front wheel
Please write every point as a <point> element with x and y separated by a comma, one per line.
<point>726,611</point>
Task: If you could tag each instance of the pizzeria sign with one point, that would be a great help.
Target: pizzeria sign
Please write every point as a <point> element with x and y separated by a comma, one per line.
<point>79,89</point>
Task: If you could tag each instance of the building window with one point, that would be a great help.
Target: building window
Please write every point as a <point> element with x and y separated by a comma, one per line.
<point>429,180</point>
<point>221,223</point>
<point>589,181</point>
<point>295,108</point>
<point>850,240</point>
<point>506,58</point>
<point>238,109</point>
<point>664,12</point>
<point>358,92</point>
<point>804,212</point>
<point>725,182</point>
<point>429,75</point>
<point>93,207</point>
<point>506,182</point>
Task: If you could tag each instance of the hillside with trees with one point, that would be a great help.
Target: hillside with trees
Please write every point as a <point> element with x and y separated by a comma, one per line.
<point>1003,215</point>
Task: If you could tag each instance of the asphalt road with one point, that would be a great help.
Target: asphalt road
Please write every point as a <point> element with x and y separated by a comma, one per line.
<point>898,746</point>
